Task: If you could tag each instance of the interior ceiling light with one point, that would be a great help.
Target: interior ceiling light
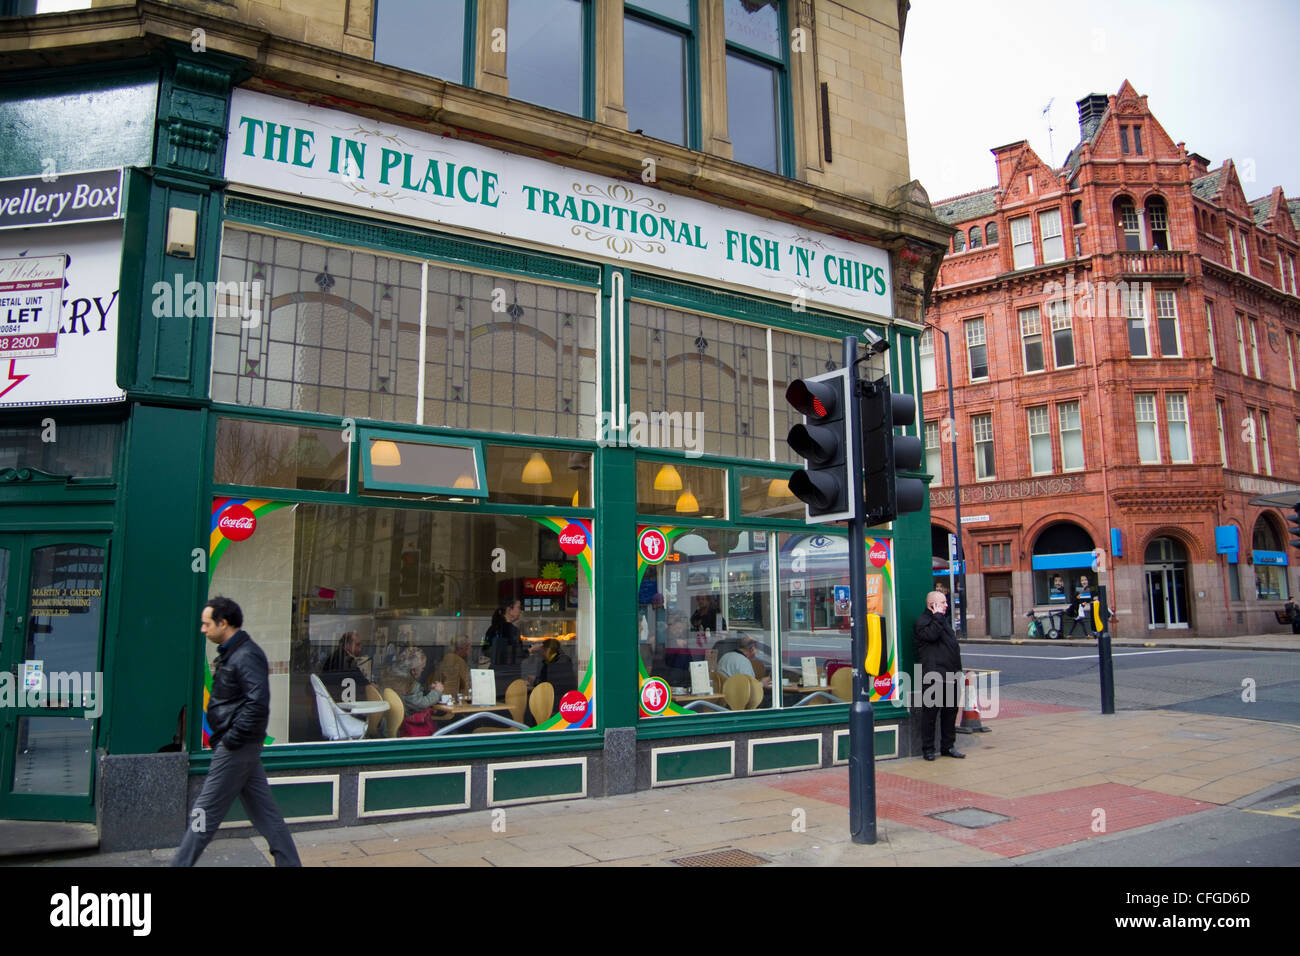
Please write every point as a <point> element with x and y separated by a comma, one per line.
<point>779,488</point>
<point>667,479</point>
<point>536,471</point>
<point>385,454</point>
<point>686,504</point>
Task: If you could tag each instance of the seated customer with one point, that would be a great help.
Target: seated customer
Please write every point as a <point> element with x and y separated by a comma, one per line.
<point>557,669</point>
<point>405,679</point>
<point>741,661</point>
<point>344,665</point>
<point>453,669</point>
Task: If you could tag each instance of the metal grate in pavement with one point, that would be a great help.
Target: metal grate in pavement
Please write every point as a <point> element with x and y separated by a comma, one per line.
<point>972,818</point>
<point>726,857</point>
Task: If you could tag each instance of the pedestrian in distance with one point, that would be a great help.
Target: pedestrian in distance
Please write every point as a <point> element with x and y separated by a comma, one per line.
<point>939,655</point>
<point>238,709</point>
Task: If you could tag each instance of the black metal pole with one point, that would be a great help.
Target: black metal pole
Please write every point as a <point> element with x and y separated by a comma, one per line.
<point>862,719</point>
<point>960,595</point>
<point>1104,663</point>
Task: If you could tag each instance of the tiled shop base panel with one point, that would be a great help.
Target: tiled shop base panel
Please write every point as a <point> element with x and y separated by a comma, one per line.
<point>533,780</point>
<point>412,790</point>
<point>300,799</point>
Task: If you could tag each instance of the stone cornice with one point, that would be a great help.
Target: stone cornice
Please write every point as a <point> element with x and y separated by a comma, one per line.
<point>317,75</point>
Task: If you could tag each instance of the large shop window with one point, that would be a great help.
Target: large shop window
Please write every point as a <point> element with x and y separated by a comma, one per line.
<point>700,384</point>
<point>362,609</point>
<point>65,449</point>
<point>340,333</point>
<point>734,620</point>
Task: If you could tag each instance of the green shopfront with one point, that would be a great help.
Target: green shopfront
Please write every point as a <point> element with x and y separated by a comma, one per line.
<point>376,384</point>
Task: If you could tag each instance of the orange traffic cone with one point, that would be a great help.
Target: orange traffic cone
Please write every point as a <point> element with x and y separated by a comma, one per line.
<point>970,715</point>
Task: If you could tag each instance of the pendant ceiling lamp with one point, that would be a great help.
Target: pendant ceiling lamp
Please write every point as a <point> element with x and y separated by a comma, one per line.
<point>536,471</point>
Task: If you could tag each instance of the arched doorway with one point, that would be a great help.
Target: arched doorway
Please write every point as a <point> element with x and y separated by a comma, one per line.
<point>1165,564</point>
<point>1270,560</point>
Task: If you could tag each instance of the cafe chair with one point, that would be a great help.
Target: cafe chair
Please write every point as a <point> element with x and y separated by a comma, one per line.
<point>395,714</point>
<point>755,693</point>
<point>517,699</point>
<point>760,669</point>
<point>736,691</point>
<point>373,721</point>
<point>542,702</point>
<point>334,724</point>
<point>842,683</point>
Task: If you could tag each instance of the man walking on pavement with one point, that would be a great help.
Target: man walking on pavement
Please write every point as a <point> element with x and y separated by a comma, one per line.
<point>940,660</point>
<point>238,710</point>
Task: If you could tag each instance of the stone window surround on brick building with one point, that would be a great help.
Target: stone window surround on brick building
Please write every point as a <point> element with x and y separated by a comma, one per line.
<point>1219,406</point>
<point>1038,420</point>
<point>977,355</point>
<point>1031,339</point>
<point>983,447</point>
<point>933,432</point>
<point>1022,242</point>
<point>1209,327</point>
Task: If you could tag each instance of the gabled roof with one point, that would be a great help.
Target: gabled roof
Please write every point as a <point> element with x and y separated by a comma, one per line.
<point>1206,187</point>
<point>1261,209</point>
<point>968,206</point>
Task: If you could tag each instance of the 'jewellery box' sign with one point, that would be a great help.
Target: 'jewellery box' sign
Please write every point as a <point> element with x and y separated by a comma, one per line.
<point>326,154</point>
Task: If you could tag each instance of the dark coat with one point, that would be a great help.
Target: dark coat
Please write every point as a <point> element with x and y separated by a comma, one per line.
<point>560,674</point>
<point>240,704</point>
<point>936,644</point>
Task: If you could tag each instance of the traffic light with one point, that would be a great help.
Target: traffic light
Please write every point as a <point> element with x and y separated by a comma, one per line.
<point>409,575</point>
<point>884,453</point>
<point>823,441</point>
<point>1293,523</point>
<point>437,592</point>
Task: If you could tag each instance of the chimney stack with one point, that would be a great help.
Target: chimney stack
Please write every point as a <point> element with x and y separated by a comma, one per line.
<point>1091,109</point>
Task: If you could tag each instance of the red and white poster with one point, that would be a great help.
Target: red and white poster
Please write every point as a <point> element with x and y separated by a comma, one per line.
<point>80,316</point>
<point>31,294</point>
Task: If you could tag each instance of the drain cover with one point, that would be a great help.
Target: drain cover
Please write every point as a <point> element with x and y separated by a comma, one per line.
<point>972,818</point>
<point>722,858</point>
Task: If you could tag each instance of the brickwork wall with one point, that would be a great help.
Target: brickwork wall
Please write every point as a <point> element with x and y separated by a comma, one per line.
<point>1184,502</point>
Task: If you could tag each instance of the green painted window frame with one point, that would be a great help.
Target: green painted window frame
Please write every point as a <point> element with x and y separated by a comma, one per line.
<point>468,64</point>
<point>785,110</point>
<point>690,31</point>
<point>366,434</point>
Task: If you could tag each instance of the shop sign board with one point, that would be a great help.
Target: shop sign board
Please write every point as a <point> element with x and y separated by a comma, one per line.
<point>76,358</point>
<point>59,200</point>
<point>324,154</point>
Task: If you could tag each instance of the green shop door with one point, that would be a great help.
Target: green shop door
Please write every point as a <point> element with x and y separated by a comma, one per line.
<point>52,590</point>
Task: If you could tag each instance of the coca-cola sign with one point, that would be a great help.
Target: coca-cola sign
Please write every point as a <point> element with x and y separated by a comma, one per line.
<point>573,539</point>
<point>884,685</point>
<point>545,585</point>
<point>237,523</point>
<point>878,555</point>
<point>573,707</point>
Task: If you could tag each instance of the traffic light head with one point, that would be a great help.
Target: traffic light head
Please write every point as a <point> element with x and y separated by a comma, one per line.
<point>884,453</point>
<point>1293,525</point>
<point>823,441</point>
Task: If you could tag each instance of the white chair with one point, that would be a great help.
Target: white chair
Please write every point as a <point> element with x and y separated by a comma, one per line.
<point>334,724</point>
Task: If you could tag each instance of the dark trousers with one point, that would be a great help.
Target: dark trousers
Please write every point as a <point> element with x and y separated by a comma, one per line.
<point>1082,623</point>
<point>944,714</point>
<point>236,773</point>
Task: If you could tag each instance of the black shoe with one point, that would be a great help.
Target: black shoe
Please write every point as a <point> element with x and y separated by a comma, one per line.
<point>954,753</point>
<point>928,756</point>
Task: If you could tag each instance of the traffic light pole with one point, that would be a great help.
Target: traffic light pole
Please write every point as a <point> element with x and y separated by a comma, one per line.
<point>862,719</point>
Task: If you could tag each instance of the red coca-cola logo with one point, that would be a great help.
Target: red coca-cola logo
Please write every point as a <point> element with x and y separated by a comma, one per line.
<point>573,539</point>
<point>878,555</point>
<point>573,707</point>
<point>545,585</point>
<point>237,523</point>
<point>884,685</point>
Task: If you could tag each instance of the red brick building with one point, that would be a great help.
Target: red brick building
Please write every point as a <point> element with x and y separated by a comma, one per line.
<point>1125,345</point>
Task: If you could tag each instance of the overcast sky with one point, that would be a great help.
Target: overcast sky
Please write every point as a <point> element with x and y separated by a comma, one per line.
<point>1222,77</point>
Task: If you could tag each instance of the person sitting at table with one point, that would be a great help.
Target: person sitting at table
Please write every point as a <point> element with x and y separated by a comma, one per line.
<point>677,653</point>
<point>453,669</point>
<point>405,679</point>
<point>741,661</point>
<point>557,669</point>
<point>707,615</point>
<point>344,665</point>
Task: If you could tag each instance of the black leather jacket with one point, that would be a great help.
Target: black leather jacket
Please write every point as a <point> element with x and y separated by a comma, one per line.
<point>240,704</point>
